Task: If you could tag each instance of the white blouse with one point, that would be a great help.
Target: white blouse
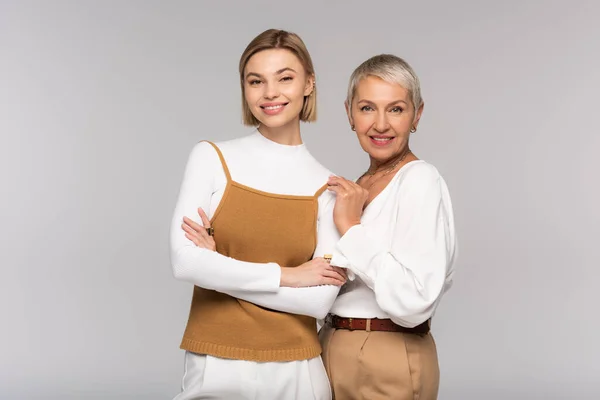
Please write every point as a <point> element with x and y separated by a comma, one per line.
<point>402,253</point>
<point>262,164</point>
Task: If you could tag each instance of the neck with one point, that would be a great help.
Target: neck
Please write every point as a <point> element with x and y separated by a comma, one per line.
<point>288,135</point>
<point>383,165</point>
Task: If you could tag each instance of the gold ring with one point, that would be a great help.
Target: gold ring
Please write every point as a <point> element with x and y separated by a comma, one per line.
<point>328,257</point>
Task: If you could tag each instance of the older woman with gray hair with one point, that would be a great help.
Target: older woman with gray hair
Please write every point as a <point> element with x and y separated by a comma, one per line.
<point>398,241</point>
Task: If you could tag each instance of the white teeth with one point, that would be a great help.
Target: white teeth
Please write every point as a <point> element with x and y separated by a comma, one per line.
<point>382,139</point>
<point>273,107</point>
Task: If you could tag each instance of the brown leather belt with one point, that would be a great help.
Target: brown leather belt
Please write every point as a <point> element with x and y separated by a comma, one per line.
<point>374,324</point>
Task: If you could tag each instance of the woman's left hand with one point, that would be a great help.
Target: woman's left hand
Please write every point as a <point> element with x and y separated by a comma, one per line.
<point>198,233</point>
<point>349,203</point>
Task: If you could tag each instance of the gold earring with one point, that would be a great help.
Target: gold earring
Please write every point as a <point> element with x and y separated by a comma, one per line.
<point>352,127</point>
<point>413,129</point>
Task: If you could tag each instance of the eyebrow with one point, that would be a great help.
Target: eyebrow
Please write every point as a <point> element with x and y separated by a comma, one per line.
<point>278,72</point>
<point>389,104</point>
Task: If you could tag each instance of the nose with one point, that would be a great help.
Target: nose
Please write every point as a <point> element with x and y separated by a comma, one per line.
<point>271,91</point>
<point>381,123</point>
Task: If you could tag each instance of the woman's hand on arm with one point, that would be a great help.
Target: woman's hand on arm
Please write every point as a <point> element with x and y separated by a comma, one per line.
<point>315,272</point>
<point>309,289</point>
<point>409,270</point>
<point>205,268</point>
<point>197,233</point>
<point>349,204</point>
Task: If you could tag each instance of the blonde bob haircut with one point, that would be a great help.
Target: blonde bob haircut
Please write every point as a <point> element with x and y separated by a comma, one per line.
<point>391,69</point>
<point>279,39</point>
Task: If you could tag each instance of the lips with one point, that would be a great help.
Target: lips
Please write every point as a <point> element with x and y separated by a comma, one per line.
<point>380,140</point>
<point>273,108</point>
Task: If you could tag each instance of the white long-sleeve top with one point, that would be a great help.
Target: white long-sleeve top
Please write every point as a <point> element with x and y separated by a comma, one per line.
<point>402,253</point>
<point>267,166</point>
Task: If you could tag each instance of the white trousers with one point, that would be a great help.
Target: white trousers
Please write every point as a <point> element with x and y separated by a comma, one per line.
<point>207,377</point>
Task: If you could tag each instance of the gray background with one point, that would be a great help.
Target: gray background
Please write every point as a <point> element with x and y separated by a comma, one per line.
<point>101,102</point>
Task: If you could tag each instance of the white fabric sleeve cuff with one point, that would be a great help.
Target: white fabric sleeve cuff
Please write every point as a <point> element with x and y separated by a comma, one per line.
<point>338,260</point>
<point>211,270</point>
<point>360,250</point>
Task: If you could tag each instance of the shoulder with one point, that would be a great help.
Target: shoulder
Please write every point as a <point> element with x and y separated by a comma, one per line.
<point>420,171</point>
<point>419,179</point>
<point>208,150</point>
<point>318,170</point>
<point>203,151</point>
<point>319,175</point>
<point>235,145</point>
<point>314,167</point>
<point>419,174</point>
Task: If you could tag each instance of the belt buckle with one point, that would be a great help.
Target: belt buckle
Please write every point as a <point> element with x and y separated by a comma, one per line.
<point>350,324</point>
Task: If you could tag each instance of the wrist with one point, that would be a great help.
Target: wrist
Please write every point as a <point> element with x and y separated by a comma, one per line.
<point>345,226</point>
<point>287,277</point>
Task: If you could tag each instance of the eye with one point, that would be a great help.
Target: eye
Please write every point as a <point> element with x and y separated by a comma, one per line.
<point>366,108</point>
<point>287,78</point>
<point>396,110</point>
<point>254,82</point>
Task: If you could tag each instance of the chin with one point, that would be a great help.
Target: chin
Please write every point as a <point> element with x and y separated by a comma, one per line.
<point>271,124</point>
<point>380,157</point>
<point>380,154</point>
<point>277,121</point>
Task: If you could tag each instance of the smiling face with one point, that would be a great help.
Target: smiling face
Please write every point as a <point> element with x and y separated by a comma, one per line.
<point>382,114</point>
<point>275,85</point>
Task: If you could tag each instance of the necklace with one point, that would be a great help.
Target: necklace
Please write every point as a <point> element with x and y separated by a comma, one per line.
<point>387,171</point>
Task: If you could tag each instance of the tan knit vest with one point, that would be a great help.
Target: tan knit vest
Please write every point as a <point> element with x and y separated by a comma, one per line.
<point>255,226</point>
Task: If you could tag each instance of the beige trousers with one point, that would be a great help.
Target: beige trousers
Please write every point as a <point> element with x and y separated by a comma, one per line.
<point>365,365</point>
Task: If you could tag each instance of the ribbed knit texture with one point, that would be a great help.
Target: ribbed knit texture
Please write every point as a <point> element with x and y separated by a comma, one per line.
<point>255,226</point>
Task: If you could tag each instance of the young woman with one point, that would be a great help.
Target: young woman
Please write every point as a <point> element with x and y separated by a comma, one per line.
<point>398,239</point>
<point>251,332</point>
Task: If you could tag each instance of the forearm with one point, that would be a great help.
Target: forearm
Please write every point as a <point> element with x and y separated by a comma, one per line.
<point>315,301</point>
<point>203,178</point>
<point>211,270</point>
<point>406,286</point>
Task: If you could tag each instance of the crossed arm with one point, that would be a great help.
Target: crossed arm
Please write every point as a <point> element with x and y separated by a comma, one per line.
<point>265,284</point>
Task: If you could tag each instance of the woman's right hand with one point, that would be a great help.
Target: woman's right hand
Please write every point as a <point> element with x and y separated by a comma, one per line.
<point>197,233</point>
<point>315,272</point>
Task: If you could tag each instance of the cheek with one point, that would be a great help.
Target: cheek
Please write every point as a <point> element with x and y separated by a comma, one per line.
<point>401,125</point>
<point>251,96</point>
<point>362,123</point>
<point>295,91</point>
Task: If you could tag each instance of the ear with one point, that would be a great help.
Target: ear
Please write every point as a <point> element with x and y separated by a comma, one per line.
<point>310,86</point>
<point>349,113</point>
<point>418,115</point>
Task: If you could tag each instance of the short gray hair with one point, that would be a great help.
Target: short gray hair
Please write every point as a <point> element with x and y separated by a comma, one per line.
<point>389,68</point>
